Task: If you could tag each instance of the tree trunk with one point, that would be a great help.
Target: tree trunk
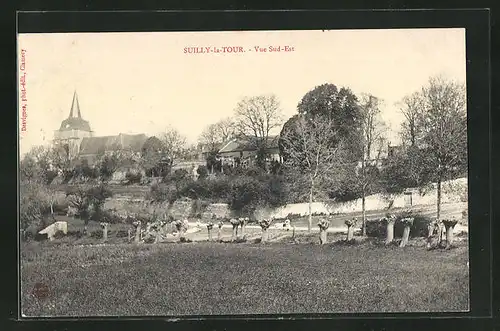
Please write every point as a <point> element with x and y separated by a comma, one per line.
<point>265,235</point>
<point>243,229</point>
<point>450,226</point>
<point>209,235</point>
<point>389,235</point>
<point>219,234</point>
<point>363,208</point>
<point>157,237</point>
<point>293,232</point>
<point>438,214</point>
<point>105,233</point>
<point>235,233</point>
<point>350,232</point>
<point>406,236</point>
<point>129,232</point>
<point>309,225</point>
<point>137,238</point>
<point>322,236</point>
<point>52,209</point>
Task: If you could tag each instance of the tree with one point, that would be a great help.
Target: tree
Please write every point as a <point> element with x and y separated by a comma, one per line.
<point>152,154</point>
<point>441,125</point>
<point>371,143</point>
<point>314,154</point>
<point>173,146</point>
<point>257,117</point>
<point>411,108</point>
<point>88,199</point>
<point>42,164</point>
<point>340,106</point>
<point>109,163</point>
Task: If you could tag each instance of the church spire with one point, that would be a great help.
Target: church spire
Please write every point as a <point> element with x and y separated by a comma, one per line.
<point>75,105</point>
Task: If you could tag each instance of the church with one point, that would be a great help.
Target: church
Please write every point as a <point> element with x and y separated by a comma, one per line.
<point>77,138</point>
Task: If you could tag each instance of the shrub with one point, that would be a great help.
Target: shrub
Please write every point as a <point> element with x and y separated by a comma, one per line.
<point>59,235</point>
<point>106,216</point>
<point>121,234</point>
<point>202,172</point>
<point>133,177</point>
<point>60,208</point>
<point>377,229</point>
<point>96,234</point>
<point>77,234</point>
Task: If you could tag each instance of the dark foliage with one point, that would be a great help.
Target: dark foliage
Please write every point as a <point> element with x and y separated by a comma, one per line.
<point>376,228</point>
<point>133,177</point>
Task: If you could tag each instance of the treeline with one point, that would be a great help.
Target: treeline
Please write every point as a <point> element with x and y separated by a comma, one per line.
<point>334,148</point>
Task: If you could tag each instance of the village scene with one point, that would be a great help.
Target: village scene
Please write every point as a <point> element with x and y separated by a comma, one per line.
<point>325,208</point>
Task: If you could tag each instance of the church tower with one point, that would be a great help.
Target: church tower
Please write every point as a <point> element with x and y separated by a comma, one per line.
<point>73,130</point>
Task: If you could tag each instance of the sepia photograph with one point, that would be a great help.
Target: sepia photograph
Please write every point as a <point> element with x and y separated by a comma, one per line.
<point>234,173</point>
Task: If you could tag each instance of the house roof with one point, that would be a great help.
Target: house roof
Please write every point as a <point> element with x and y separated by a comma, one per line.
<point>247,144</point>
<point>94,145</point>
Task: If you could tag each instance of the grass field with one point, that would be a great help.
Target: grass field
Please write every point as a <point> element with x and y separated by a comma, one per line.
<point>247,278</point>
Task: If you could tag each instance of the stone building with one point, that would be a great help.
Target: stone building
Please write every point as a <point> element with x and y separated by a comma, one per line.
<point>79,141</point>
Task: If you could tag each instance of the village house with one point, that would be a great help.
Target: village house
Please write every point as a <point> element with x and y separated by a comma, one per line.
<point>242,151</point>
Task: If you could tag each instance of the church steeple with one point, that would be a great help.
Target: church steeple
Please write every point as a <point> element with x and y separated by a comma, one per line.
<point>75,105</point>
<point>75,120</point>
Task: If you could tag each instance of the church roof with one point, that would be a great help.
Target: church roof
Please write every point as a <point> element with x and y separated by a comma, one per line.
<point>95,145</point>
<point>75,122</point>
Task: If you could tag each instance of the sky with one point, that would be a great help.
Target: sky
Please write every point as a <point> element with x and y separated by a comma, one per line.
<point>144,82</point>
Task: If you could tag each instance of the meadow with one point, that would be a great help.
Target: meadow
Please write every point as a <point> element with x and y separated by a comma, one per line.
<point>283,276</point>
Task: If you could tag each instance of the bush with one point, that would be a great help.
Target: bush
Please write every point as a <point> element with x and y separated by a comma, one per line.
<point>133,177</point>
<point>59,235</point>
<point>77,234</point>
<point>106,216</point>
<point>377,229</point>
<point>96,234</point>
<point>202,172</point>
<point>121,234</point>
<point>60,208</point>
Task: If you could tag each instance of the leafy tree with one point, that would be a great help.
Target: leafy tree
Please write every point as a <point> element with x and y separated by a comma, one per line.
<point>88,199</point>
<point>341,108</point>
<point>202,172</point>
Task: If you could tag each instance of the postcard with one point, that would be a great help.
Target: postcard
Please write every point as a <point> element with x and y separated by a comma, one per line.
<point>234,173</point>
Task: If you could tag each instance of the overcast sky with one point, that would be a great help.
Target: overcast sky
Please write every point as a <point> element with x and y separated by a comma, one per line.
<point>144,82</point>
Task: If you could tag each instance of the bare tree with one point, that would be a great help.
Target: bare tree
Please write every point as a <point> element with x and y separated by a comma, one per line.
<point>257,117</point>
<point>210,138</point>
<point>311,151</point>
<point>173,144</point>
<point>373,129</point>
<point>411,108</point>
<point>444,129</point>
<point>226,128</point>
<point>441,125</point>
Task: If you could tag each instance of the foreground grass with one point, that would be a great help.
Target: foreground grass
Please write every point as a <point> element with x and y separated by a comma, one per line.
<point>216,278</point>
